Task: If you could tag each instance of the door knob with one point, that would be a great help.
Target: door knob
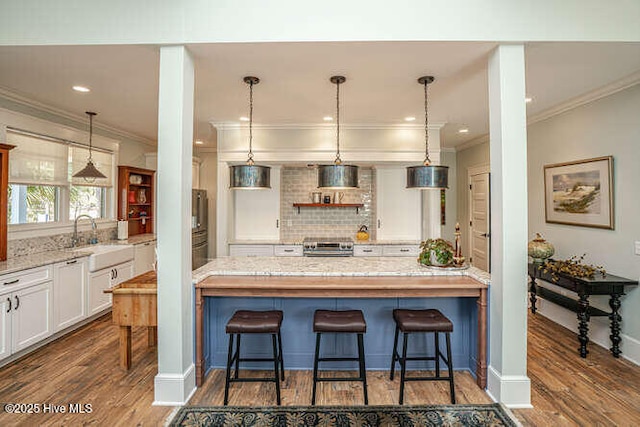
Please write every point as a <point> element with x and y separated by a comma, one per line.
<point>486,235</point>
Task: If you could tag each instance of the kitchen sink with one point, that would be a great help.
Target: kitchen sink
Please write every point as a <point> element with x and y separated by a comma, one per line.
<point>103,256</point>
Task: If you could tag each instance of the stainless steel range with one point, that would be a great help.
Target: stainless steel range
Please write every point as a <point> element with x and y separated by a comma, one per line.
<point>327,246</point>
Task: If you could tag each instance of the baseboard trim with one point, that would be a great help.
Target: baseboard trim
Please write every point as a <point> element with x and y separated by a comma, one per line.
<point>598,329</point>
<point>174,389</point>
<point>513,391</point>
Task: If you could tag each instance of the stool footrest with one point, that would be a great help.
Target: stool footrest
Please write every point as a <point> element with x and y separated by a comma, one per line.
<point>255,359</point>
<point>251,379</point>
<point>339,379</point>
<point>427,378</point>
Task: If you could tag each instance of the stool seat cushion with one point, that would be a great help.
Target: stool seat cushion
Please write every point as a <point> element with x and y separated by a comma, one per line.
<point>339,321</point>
<point>422,321</point>
<point>255,322</point>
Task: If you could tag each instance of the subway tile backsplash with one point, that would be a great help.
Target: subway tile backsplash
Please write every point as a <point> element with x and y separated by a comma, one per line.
<point>297,183</point>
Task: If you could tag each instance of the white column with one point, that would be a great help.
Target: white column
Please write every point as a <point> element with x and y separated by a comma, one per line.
<point>507,378</point>
<point>175,381</point>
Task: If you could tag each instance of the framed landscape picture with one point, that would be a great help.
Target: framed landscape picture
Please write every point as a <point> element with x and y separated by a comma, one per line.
<point>580,193</point>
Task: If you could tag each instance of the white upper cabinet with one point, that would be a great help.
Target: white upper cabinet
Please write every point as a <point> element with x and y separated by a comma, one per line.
<point>399,209</point>
<point>257,212</point>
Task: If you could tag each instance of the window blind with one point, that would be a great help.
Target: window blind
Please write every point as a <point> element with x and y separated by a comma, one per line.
<point>37,161</point>
<point>101,160</point>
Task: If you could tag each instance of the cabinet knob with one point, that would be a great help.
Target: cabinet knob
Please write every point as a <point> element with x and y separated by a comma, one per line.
<point>9,301</point>
<point>17,302</point>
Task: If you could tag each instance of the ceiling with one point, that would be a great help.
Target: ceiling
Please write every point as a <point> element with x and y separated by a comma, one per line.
<point>381,86</point>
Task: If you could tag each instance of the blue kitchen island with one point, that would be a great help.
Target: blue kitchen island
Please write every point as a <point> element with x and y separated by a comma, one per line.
<point>300,285</point>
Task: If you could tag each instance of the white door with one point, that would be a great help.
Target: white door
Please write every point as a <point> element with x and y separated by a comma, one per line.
<point>5,325</point>
<point>480,221</point>
<point>123,272</point>
<point>69,296</point>
<point>399,209</point>
<point>32,317</point>
<point>98,282</point>
<point>257,212</point>
<point>143,258</point>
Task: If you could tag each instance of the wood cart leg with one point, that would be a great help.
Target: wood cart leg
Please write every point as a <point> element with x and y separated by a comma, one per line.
<point>481,362</point>
<point>125,347</point>
<point>532,294</point>
<point>152,336</point>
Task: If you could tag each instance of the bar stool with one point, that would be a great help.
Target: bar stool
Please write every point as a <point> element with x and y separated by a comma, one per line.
<point>347,321</point>
<point>422,321</point>
<point>254,322</point>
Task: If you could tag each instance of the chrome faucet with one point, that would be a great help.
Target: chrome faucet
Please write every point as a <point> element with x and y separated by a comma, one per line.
<point>74,239</point>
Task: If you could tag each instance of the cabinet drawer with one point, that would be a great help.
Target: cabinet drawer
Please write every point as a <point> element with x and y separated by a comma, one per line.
<point>251,250</point>
<point>367,250</point>
<point>24,278</point>
<point>287,250</point>
<point>401,250</point>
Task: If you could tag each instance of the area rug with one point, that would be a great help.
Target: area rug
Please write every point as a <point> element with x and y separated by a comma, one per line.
<point>345,416</point>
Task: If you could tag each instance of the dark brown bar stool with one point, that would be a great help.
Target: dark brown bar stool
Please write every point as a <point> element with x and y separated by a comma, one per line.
<point>350,322</point>
<point>254,322</point>
<point>422,321</point>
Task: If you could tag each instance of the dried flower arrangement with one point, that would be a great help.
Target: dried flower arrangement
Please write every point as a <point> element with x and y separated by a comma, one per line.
<point>572,266</point>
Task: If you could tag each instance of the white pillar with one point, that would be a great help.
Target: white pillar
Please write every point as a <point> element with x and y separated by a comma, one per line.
<point>175,381</point>
<point>507,378</point>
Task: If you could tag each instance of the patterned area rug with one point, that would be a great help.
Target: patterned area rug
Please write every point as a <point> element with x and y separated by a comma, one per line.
<point>345,416</point>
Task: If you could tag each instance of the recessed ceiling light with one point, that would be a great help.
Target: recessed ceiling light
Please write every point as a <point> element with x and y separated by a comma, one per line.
<point>528,99</point>
<point>198,142</point>
<point>244,119</point>
<point>327,118</point>
<point>81,89</point>
<point>409,119</point>
<point>463,130</point>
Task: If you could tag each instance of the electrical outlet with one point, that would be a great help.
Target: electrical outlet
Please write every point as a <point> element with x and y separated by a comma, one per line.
<point>637,252</point>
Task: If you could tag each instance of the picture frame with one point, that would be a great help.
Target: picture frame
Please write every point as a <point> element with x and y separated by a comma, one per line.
<point>580,193</point>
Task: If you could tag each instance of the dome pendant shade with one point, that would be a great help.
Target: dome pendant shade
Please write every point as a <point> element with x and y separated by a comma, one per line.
<point>250,177</point>
<point>428,176</point>
<point>90,173</point>
<point>338,177</point>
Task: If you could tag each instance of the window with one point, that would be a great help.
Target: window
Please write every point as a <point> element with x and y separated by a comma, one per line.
<point>41,184</point>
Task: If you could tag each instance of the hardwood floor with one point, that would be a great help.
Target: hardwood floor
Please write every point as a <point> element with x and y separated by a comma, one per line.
<point>83,368</point>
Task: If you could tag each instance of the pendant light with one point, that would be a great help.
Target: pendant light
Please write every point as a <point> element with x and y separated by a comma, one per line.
<point>250,176</point>
<point>427,175</point>
<point>90,172</point>
<point>337,175</point>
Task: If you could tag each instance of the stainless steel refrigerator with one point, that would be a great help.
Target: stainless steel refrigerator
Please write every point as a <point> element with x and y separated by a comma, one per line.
<point>199,244</point>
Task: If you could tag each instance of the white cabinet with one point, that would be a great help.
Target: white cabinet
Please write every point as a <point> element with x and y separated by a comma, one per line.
<point>106,279</point>
<point>31,315</point>
<point>250,250</point>
<point>26,304</point>
<point>257,213</point>
<point>69,293</point>
<point>399,209</point>
<point>287,250</point>
<point>400,250</point>
<point>143,258</point>
<point>367,250</point>
<point>5,325</point>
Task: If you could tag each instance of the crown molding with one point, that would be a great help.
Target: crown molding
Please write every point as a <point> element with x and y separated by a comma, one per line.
<point>324,126</point>
<point>81,119</point>
<point>610,89</point>
<point>472,143</point>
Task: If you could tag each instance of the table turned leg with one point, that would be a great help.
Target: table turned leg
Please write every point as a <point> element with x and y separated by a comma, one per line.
<point>152,336</point>
<point>615,318</point>
<point>583,326</point>
<point>125,347</point>
<point>199,337</point>
<point>532,295</point>
<point>481,362</point>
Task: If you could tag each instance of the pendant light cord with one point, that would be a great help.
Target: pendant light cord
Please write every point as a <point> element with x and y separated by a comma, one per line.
<point>427,161</point>
<point>250,159</point>
<point>90,114</point>
<point>338,160</point>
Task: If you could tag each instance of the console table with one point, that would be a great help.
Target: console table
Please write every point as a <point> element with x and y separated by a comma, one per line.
<point>585,287</point>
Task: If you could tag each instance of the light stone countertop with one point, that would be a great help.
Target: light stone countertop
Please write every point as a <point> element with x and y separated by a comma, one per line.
<point>299,242</point>
<point>26,262</point>
<point>318,266</point>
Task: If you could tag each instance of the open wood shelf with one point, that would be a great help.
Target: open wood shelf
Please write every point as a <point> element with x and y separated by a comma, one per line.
<point>328,205</point>
<point>127,190</point>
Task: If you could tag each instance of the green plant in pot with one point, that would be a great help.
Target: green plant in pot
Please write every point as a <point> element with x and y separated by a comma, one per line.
<point>436,252</point>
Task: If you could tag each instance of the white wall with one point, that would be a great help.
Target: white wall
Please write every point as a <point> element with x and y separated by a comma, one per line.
<point>608,126</point>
